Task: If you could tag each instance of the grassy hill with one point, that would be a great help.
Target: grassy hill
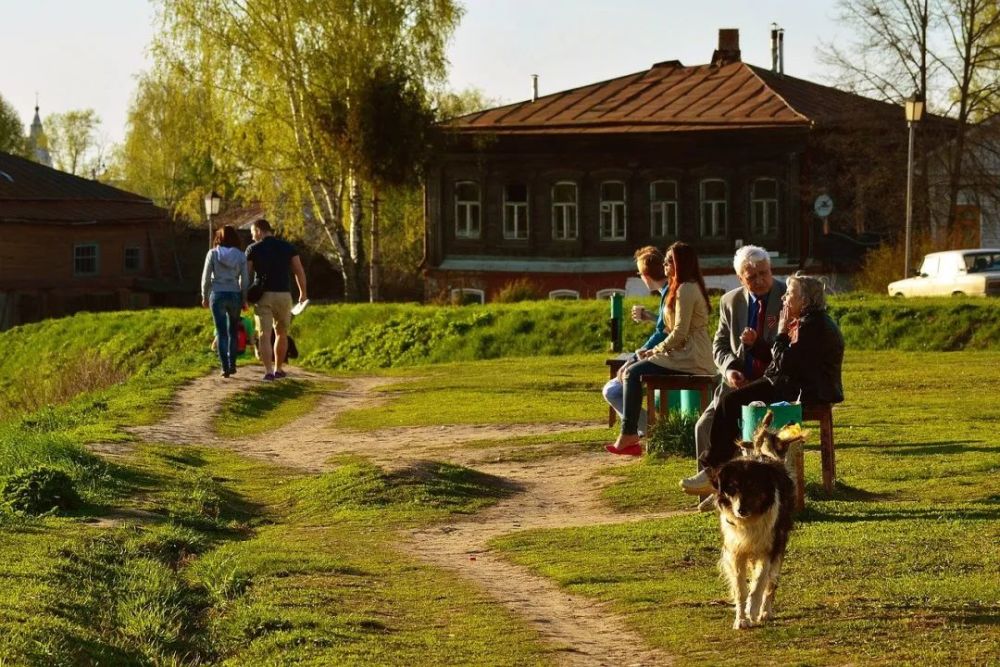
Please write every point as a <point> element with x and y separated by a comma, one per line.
<point>221,559</point>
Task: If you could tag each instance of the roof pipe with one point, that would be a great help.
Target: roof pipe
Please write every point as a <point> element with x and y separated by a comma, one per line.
<point>534,87</point>
<point>774,47</point>
<point>781,51</point>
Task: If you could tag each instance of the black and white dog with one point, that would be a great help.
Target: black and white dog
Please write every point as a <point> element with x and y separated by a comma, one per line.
<point>755,496</point>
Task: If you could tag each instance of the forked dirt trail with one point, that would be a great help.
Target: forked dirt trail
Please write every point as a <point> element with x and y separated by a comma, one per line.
<point>557,491</point>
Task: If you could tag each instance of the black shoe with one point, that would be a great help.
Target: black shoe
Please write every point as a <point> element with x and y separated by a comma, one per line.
<point>224,374</point>
<point>232,371</point>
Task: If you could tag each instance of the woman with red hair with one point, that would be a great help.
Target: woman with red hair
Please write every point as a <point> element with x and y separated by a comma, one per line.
<point>687,348</point>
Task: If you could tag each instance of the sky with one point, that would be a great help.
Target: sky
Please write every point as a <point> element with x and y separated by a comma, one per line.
<point>78,54</point>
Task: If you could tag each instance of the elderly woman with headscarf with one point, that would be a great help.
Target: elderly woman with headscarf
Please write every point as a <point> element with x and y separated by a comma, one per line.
<point>806,362</point>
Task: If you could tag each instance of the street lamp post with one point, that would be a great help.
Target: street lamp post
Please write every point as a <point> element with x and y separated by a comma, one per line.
<point>914,112</point>
<point>212,202</point>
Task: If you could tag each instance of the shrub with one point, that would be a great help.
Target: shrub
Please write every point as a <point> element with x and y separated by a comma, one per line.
<point>521,289</point>
<point>672,435</point>
<point>884,264</point>
<point>40,490</point>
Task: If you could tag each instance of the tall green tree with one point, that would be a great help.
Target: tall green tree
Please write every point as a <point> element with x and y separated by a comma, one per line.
<point>175,147</point>
<point>11,129</point>
<point>73,140</point>
<point>279,66</point>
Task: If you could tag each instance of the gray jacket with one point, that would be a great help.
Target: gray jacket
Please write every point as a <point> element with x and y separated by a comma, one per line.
<point>225,271</point>
<point>727,347</point>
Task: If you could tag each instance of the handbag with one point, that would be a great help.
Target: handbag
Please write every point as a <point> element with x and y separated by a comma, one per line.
<point>256,289</point>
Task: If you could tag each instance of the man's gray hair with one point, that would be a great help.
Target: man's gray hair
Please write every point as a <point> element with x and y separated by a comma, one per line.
<point>812,289</point>
<point>749,254</point>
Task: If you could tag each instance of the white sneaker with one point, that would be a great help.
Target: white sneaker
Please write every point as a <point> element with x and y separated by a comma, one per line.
<point>707,505</point>
<point>697,485</point>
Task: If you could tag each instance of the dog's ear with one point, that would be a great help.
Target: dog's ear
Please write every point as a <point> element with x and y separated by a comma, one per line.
<point>768,418</point>
<point>746,447</point>
<point>781,447</point>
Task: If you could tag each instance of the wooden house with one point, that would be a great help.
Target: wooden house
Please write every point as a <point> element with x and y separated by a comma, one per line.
<point>561,189</point>
<point>69,244</point>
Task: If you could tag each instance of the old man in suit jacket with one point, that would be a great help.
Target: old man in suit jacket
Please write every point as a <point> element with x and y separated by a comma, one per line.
<point>748,324</point>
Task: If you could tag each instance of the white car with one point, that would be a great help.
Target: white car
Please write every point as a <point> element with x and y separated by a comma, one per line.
<point>973,272</point>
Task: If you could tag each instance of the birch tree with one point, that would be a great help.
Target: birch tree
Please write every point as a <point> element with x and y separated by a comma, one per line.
<point>282,65</point>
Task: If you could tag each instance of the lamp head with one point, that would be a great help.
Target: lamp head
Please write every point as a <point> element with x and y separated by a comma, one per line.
<point>212,203</point>
<point>914,108</point>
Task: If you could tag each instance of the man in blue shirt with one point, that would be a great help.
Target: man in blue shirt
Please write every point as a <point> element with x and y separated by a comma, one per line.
<point>748,325</point>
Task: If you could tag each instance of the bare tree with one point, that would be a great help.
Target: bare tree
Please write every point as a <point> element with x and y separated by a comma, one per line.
<point>889,56</point>
<point>946,50</point>
<point>970,65</point>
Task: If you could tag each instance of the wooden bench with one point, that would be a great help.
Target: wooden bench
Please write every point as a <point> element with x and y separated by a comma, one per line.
<point>705,384</point>
<point>795,460</point>
<point>823,413</point>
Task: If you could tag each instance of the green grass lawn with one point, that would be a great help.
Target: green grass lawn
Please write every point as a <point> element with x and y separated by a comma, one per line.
<point>268,406</point>
<point>240,562</point>
<point>900,566</point>
<point>235,561</point>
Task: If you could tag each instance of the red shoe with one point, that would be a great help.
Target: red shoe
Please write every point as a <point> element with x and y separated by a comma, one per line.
<point>628,450</point>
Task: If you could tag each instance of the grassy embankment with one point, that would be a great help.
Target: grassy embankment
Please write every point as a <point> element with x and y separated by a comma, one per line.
<point>242,561</point>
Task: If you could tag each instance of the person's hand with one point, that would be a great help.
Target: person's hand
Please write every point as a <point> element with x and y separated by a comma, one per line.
<point>735,379</point>
<point>785,322</point>
<point>204,303</point>
<point>749,336</point>
<point>639,313</point>
<point>645,354</point>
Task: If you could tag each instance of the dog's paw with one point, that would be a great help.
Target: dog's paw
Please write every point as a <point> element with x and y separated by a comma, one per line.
<point>742,624</point>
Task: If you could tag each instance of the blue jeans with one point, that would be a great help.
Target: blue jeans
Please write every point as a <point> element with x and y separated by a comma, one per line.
<point>614,394</point>
<point>634,392</point>
<point>225,308</point>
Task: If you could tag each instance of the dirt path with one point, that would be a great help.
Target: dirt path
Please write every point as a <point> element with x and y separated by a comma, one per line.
<point>554,492</point>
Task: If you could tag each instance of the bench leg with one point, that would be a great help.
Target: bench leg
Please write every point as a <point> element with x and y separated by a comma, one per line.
<point>799,475</point>
<point>651,408</point>
<point>826,450</point>
<point>611,417</point>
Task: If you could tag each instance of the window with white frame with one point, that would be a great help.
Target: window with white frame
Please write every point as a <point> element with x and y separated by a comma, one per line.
<point>85,259</point>
<point>564,225</point>
<point>132,260</point>
<point>564,295</point>
<point>463,296</point>
<point>515,211</point>
<point>714,207</point>
<point>612,211</point>
<point>663,209</point>
<point>607,292</point>
<point>467,210</point>
<point>764,207</point>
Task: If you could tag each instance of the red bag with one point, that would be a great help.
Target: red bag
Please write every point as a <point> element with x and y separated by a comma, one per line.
<point>241,338</point>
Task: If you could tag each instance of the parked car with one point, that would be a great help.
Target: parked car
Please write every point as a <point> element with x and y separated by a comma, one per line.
<point>972,272</point>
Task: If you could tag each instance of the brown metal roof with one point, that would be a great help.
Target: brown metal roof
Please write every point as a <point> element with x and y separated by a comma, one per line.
<point>32,192</point>
<point>670,97</point>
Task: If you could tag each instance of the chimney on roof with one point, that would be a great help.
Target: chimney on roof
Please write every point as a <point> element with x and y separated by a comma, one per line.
<point>774,47</point>
<point>534,87</point>
<point>777,49</point>
<point>729,47</point>
<point>781,50</point>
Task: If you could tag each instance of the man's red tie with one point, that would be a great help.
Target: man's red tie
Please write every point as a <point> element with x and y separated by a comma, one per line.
<point>759,365</point>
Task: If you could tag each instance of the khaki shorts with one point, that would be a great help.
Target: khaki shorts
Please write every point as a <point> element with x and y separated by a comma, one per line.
<point>274,310</point>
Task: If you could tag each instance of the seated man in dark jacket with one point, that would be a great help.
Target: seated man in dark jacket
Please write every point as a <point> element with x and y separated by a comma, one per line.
<point>807,357</point>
